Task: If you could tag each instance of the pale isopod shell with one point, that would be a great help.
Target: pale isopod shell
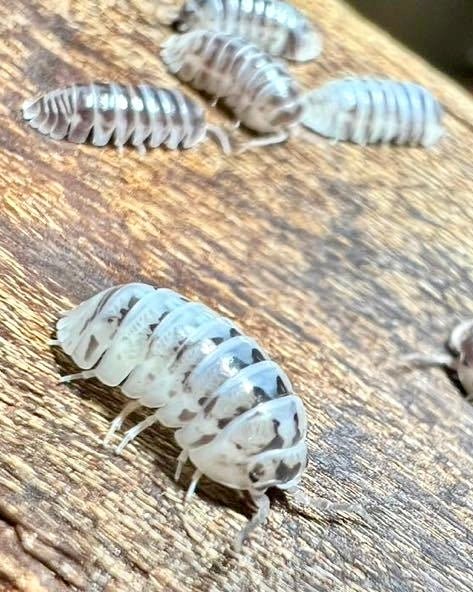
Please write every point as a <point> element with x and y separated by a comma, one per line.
<point>141,115</point>
<point>235,411</point>
<point>275,26</point>
<point>370,110</point>
<point>256,88</point>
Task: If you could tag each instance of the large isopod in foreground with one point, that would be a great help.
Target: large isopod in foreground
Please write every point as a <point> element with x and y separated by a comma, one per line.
<point>237,417</point>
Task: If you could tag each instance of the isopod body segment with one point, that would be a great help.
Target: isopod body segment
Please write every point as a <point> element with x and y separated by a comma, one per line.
<point>371,110</point>
<point>275,26</point>
<point>237,417</point>
<point>256,88</point>
<point>105,112</point>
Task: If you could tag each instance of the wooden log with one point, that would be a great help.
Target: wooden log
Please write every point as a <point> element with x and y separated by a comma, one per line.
<point>339,259</point>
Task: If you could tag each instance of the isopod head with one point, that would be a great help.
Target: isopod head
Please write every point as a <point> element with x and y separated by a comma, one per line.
<point>304,43</point>
<point>190,16</point>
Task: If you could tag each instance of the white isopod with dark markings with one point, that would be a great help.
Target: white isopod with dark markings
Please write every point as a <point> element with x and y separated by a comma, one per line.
<point>256,88</point>
<point>370,110</point>
<point>141,114</point>
<point>460,358</point>
<point>273,25</point>
<point>235,411</point>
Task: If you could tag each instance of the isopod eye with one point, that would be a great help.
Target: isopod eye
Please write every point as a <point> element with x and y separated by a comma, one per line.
<point>180,25</point>
<point>111,320</point>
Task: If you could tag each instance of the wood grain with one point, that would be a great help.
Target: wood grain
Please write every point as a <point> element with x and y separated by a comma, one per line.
<point>338,259</point>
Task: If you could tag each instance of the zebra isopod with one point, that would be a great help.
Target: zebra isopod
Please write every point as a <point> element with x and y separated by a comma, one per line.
<point>102,112</point>
<point>256,88</point>
<point>371,110</point>
<point>237,417</point>
<point>275,26</point>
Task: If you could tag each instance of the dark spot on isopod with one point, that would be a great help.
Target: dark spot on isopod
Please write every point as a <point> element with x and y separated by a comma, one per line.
<point>260,394</point>
<point>93,343</point>
<point>123,313</point>
<point>277,441</point>
<point>211,404</point>
<point>297,435</point>
<point>217,340</point>
<point>256,355</point>
<point>223,422</point>
<point>234,332</point>
<point>291,43</point>
<point>153,327</point>
<point>236,363</point>
<point>281,387</point>
<point>151,376</point>
<point>284,473</point>
<point>187,415</point>
<point>133,300</point>
<point>180,354</point>
<point>186,376</point>
<point>256,473</point>
<point>204,440</point>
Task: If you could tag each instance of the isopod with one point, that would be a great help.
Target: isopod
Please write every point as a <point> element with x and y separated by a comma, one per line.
<point>237,417</point>
<point>275,26</point>
<point>370,110</point>
<point>255,87</point>
<point>459,359</point>
<point>141,114</point>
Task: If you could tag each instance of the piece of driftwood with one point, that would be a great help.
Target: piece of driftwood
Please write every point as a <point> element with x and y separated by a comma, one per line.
<point>338,259</point>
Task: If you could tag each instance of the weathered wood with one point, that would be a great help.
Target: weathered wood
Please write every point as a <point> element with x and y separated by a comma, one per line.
<point>337,258</point>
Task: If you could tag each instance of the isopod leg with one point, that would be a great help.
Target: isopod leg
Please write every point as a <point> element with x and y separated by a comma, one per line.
<point>264,141</point>
<point>221,136</point>
<point>426,360</point>
<point>181,461</point>
<point>135,431</point>
<point>118,421</point>
<point>261,502</point>
<point>193,484</point>
<point>78,376</point>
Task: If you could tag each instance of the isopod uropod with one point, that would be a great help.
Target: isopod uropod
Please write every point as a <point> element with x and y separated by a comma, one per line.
<point>370,110</point>
<point>255,87</point>
<point>460,359</point>
<point>141,114</point>
<point>273,25</point>
<point>235,411</point>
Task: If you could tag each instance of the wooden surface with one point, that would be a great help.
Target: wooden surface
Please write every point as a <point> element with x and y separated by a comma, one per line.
<point>339,259</point>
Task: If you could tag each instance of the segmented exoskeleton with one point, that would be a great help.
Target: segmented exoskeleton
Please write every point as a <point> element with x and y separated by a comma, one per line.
<point>235,411</point>
<point>370,110</point>
<point>141,115</point>
<point>273,25</point>
<point>256,88</point>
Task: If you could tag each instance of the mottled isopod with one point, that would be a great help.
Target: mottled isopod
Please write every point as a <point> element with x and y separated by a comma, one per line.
<point>235,411</point>
<point>370,110</point>
<point>141,114</point>
<point>255,87</point>
<point>460,344</point>
<point>273,25</point>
